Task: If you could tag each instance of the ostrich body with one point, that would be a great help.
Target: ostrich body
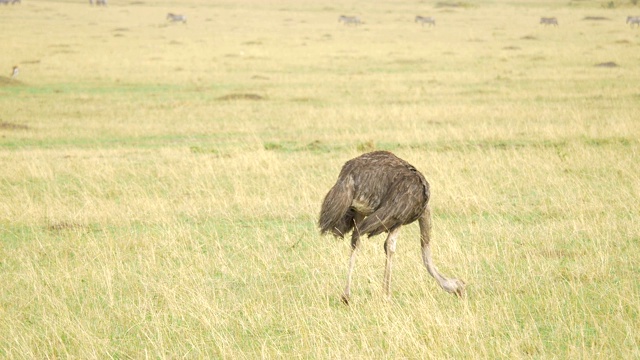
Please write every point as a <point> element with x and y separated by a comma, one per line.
<point>379,192</point>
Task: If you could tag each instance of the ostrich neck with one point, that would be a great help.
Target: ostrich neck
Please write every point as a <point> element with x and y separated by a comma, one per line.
<point>431,268</point>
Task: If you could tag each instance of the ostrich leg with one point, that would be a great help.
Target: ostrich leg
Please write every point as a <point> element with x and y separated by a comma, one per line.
<point>355,243</point>
<point>453,286</point>
<point>389,249</point>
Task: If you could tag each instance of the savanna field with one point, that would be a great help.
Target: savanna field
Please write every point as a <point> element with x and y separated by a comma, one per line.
<point>160,182</point>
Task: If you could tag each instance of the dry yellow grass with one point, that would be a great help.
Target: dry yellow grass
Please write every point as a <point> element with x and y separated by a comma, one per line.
<point>160,182</point>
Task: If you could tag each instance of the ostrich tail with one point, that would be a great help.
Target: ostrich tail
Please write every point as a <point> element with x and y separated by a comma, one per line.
<point>336,214</point>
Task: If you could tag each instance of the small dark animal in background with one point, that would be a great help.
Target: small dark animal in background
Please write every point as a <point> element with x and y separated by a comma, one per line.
<point>15,72</point>
<point>378,192</point>
<point>633,20</point>
<point>549,21</point>
<point>425,20</point>
<point>350,20</point>
<point>176,18</point>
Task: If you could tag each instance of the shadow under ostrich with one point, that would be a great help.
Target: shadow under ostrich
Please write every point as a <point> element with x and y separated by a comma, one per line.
<point>378,192</point>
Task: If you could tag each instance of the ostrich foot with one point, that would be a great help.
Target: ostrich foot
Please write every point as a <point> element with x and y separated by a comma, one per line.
<point>454,286</point>
<point>345,299</point>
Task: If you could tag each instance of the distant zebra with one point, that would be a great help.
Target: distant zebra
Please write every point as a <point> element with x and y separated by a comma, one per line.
<point>549,21</point>
<point>7,2</point>
<point>631,20</point>
<point>350,20</point>
<point>176,18</point>
<point>99,2</point>
<point>425,20</point>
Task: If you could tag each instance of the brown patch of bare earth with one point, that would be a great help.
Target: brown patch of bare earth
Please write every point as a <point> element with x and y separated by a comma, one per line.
<point>242,97</point>
<point>11,126</point>
<point>595,18</point>
<point>608,64</point>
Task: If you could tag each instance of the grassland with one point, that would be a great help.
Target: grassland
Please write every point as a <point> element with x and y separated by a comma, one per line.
<point>160,183</point>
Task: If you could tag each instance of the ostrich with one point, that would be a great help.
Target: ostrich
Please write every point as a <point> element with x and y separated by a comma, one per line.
<point>378,192</point>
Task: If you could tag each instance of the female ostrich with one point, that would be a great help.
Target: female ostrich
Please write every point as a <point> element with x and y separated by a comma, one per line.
<point>379,192</point>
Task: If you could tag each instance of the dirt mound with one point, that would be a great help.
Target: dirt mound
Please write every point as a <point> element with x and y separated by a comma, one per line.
<point>608,64</point>
<point>6,81</point>
<point>241,97</point>
<point>11,126</point>
<point>595,18</point>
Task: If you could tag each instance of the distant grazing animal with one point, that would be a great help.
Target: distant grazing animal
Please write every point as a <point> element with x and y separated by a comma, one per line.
<point>379,192</point>
<point>425,20</point>
<point>15,72</point>
<point>12,2</point>
<point>350,20</point>
<point>176,18</point>
<point>631,20</point>
<point>99,2</point>
<point>549,21</point>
